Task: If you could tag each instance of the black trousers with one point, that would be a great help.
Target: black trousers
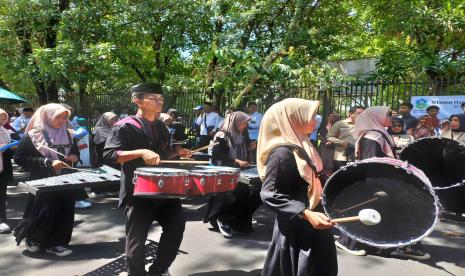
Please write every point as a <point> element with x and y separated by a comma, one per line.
<point>3,189</point>
<point>139,217</point>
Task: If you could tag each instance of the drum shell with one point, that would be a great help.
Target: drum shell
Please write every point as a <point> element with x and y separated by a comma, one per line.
<point>204,182</point>
<point>229,177</point>
<point>408,214</point>
<point>164,183</point>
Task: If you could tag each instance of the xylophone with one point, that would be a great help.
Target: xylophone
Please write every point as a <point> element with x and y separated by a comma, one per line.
<point>251,178</point>
<point>104,175</point>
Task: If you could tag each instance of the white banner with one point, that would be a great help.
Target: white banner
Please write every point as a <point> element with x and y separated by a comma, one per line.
<point>448,105</point>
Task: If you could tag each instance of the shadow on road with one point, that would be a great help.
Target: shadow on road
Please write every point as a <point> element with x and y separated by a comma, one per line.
<point>256,272</point>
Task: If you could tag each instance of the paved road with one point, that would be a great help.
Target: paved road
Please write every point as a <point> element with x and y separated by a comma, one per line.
<point>98,248</point>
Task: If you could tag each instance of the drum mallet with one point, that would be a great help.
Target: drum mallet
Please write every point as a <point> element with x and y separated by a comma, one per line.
<point>376,196</point>
<point>365,216</point>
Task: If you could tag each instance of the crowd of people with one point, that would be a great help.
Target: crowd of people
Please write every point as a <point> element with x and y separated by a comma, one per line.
<point>289,144</point>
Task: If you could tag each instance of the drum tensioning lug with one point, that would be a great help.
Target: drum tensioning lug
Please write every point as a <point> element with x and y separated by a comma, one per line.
<point>219,181</point>
<point>161,183</point>
<point>202,181</point>
<point>186,181</point>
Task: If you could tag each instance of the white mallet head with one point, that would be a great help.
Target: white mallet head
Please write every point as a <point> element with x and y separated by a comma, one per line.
<point>369,216</point>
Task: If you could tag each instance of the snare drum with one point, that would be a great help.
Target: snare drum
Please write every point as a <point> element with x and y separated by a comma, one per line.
<point>229,177</point>
<point>204,182</point>
<point>161,183</point>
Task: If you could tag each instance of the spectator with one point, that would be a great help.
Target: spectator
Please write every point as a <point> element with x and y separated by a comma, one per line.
<point>254,127</point>
<point>424,128</point>
<point>445,125</point>
<point>198,111</point>
<point>327,151</point>
<point>21,122</point>
<point>457,128</point>
<point>314,134</point>
<point>179,130</point>
<point>124,112</point>
<point>340,135</point>
<point>208,124</point>
<point>433,112</point>
<point>399,135</point>
<point>101,131</point>
<point>410,122</point>
<point>463,106</point>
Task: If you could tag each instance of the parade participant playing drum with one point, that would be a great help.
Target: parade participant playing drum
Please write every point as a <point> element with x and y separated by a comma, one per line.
<point>302,244</point>
<point>134,142</point>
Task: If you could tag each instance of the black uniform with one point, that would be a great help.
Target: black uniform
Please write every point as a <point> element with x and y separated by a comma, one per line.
<point>368,149</point>
<point>5,176</point>
<point>232,208</point>
<point>49,217</point>
<point>136,133</point>
<point>296,247</point>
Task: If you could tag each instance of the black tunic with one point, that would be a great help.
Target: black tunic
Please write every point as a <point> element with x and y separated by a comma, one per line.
<point>49,217</point>
<point>233,208</point>
<point>5,176</point>
<point>368,149</point>
<point>127,135</point>
<point>296,247</point>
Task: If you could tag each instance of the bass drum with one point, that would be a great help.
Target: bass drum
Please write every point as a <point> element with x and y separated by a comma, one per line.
<point>443,161</point>
<point>409,211</point>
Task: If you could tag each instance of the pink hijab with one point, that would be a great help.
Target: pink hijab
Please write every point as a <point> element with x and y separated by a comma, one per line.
<point>41,121</point>
<point>373,119</point>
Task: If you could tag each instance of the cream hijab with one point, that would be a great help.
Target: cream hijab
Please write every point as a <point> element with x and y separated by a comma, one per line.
<point>291,121</point>
<point>373,118</point>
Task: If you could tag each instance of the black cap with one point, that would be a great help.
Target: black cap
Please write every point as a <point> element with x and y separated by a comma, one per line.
<point>143,88</point>
<point>28,109</point>
<point>407,104</point>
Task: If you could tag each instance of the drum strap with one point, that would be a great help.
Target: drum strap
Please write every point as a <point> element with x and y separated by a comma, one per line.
<point>383,135</point>
<point>297,149</point>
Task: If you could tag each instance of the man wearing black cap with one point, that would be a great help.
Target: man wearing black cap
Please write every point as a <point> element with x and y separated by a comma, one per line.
<point>137,141</point>
<point>410,122</point>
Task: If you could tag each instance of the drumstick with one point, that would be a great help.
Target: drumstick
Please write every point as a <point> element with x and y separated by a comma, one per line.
<point>184,162</point>
<point>376,196</point>
<point>365,216</point>
<point>52,150</point>
<point>204,148</point>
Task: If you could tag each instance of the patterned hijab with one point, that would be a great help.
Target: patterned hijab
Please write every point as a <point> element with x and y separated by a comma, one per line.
<point>41,122</point>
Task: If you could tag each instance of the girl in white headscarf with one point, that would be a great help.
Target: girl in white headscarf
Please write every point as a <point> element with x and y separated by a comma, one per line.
<point>288,165</point>
<point>48,219</point>
<point>6,170</point>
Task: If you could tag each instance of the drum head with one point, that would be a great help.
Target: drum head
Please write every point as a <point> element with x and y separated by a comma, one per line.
<point>219,168</point>
<point>408,213</point>
<point>441,159</point>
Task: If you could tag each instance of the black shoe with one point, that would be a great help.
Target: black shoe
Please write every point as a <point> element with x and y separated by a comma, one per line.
<point>224,229</point>
<point>59,251</point>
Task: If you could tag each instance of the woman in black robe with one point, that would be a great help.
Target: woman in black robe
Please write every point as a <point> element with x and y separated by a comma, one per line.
<point>302,242</point>
<point>232,211</point>
<point>48,219</point>
<point>6,170</point>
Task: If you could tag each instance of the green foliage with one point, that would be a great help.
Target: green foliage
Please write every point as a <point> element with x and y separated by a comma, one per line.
<point>225,48</point>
